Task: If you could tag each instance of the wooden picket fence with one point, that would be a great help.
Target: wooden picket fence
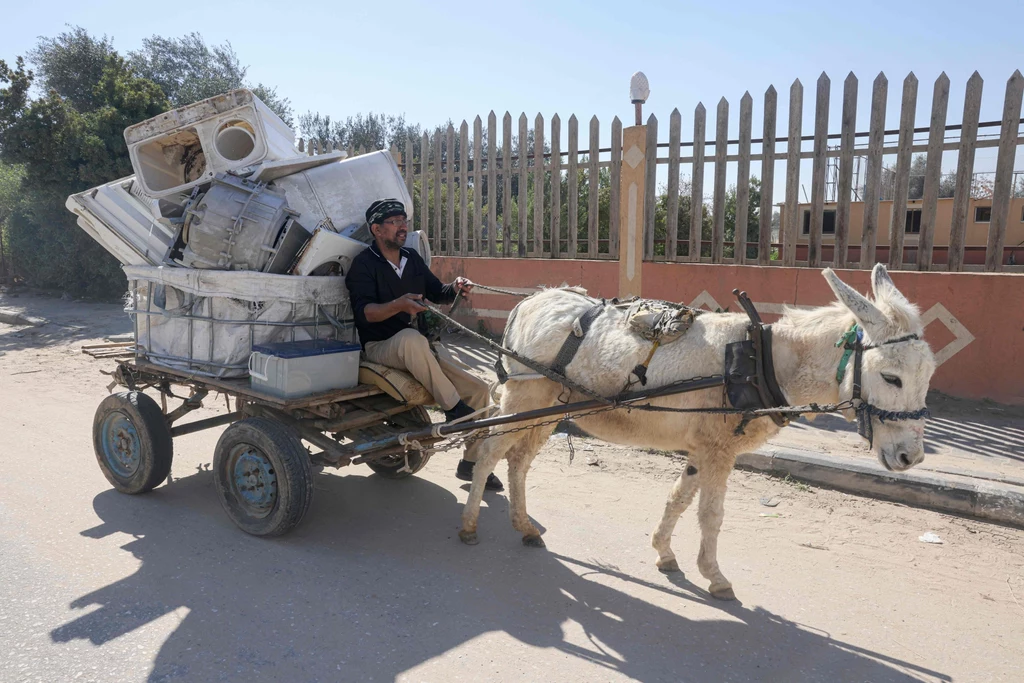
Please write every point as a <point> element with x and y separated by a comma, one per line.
<point>474,199</point>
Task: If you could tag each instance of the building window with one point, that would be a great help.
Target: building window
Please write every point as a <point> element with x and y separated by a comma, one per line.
<point>982,214</point>
<point>828,223</point>
<point>913,222</point>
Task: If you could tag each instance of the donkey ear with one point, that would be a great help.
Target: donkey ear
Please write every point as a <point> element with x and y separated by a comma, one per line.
<point>883,288</point>
<point>866,313</point>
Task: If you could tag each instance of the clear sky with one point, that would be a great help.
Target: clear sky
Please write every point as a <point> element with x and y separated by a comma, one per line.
<point>435,62</point>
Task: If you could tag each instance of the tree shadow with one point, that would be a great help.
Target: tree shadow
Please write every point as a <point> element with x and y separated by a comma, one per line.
<point>67,322</point>
<point>375,583</point>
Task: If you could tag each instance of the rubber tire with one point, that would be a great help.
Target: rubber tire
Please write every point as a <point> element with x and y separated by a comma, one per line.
<point>292,468</point>
<point>156,444</point>
<point>390,466</point>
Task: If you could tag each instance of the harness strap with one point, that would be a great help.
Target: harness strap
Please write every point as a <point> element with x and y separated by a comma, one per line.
<point>572,342</point>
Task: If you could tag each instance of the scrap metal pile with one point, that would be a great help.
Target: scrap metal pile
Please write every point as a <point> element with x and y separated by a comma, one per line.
<point>230,237</point>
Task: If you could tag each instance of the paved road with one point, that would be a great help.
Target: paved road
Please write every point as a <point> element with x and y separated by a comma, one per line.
<point>375,585</point>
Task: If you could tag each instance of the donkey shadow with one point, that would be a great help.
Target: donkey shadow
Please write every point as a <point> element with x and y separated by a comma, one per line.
<point>376,583</point>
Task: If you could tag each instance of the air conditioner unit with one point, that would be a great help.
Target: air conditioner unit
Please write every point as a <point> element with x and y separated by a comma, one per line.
<point>188,146</point>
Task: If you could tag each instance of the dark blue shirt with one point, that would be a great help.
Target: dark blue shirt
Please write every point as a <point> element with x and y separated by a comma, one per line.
<point>372,280</point>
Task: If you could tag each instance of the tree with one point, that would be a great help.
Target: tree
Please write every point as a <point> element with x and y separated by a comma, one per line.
<point>71,63</point>
<point>370,131</point>
<point>64,149</point>
<point>189,70</point>
<point>10,195</point>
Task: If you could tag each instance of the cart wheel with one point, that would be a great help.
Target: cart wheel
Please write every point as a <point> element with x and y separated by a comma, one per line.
<point>263,475</point>
<point>393,466</point>
<point>132,442</point>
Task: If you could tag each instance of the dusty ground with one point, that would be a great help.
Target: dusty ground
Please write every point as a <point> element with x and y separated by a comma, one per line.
<point>374,585</point>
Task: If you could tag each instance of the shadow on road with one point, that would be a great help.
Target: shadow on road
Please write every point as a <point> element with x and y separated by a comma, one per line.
<point>376,583</point>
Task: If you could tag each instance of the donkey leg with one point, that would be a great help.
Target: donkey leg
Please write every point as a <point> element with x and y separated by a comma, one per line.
<point>518,396</point>
<point>519,462</point>
<point>710,513</point>
<point>491,451</point>
<point>682,495</point>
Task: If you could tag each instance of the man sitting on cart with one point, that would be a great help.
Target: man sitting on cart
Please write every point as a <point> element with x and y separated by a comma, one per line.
<point>387,284</point>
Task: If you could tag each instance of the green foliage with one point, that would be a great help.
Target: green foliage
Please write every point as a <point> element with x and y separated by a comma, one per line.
<point>189,70</point>
<point>370,131</point>
<point>71,64</point>
<point>62,149</point>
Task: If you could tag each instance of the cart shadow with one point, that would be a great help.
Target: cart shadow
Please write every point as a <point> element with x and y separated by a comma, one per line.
<point>375,583</point>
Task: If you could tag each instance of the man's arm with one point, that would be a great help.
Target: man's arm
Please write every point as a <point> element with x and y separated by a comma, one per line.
<point>436,291</point>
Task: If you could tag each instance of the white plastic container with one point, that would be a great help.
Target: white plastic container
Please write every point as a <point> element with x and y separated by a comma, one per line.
<point>293,369</point>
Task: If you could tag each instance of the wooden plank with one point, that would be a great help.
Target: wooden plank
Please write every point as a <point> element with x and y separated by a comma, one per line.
<point>933,172</point>
<point>438,226</point>
<point>616,189</point>
<point>593,189</point>
<point>872,184</point>
<point>478,187</point>
<point>743,180</point>
<point>821,103</point>
<point>764,237</point>
<point>241,387</point>
<point>849,128</point>
<point>462,189</point>
<point>556,186</point>
<point>675,124</point>
<point>449,182</point>
<point>964,171</point>
<point>650,186</point>
<point>901,192</point>
<point>409,167</point>
<point>424,213</point>
<point>1003,191</point>
<point>718,201</point>
<point>506,180</point>
<point>538,186</point>
<point>790,219</point>
<point>523,195</point>
<point>697,183</point>
<point>573,188</point>
<point>492,187</point>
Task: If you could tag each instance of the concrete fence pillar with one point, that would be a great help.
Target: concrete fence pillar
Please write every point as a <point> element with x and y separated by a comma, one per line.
<point>631,210</point>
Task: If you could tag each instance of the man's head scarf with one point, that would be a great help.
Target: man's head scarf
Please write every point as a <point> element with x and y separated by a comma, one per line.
<point>383,209</point>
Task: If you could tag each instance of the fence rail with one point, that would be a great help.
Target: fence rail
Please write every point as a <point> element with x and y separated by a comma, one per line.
<point>536,195</point>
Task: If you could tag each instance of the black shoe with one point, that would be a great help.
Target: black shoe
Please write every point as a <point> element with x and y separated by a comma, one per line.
<point>465,472</point>
<point>460,409</point>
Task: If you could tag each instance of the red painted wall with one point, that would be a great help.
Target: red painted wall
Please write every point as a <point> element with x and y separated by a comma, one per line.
<point>960,306</point>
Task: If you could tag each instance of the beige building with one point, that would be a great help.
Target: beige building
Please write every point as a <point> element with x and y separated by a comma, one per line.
<point>979,215</point>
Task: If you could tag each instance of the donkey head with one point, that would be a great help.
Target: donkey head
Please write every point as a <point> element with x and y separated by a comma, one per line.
<point>896,368</point>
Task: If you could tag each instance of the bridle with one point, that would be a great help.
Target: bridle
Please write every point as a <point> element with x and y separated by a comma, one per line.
<point>852,343</point>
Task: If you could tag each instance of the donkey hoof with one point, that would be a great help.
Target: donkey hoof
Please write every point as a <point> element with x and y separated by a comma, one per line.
<point>468,537</point>
<point>724,593</point>
<point>533,542</point>
<point>668,566</point>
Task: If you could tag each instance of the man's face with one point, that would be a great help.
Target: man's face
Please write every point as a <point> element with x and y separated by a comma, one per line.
<point>392,232</point>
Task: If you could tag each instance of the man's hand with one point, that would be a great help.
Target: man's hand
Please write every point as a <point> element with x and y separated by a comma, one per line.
<point>463,285</point>
<point>409,303</point>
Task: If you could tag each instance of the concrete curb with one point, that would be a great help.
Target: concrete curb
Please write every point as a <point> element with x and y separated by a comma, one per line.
<point>979,499</point>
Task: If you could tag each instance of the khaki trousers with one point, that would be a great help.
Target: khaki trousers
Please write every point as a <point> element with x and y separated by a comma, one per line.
<point>446,377</point>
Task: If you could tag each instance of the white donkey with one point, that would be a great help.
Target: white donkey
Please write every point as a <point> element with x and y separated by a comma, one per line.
<point>896,368</point>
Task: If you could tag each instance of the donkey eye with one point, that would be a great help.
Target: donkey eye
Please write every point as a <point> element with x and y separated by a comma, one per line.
<point>893,380</point>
